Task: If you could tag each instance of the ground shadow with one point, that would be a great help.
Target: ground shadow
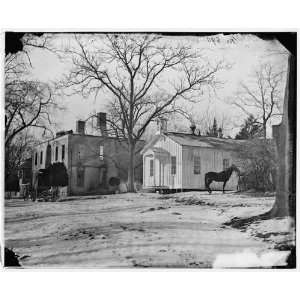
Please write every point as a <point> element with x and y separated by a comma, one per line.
<point>243,223</point>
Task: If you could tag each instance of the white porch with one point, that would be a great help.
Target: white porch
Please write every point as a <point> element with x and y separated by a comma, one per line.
<point>157,168</point>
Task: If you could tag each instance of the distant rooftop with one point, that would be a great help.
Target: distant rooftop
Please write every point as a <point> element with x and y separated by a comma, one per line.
<point>70,132</point>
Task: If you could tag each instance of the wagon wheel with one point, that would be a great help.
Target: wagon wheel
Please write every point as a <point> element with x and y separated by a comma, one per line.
<point>45,195</point>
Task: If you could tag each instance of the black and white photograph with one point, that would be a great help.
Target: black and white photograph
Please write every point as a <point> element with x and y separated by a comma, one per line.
<point>149,149</point>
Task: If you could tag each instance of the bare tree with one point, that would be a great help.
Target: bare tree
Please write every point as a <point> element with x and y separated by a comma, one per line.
<point>144,76</point>
<point>27,102</point>
<point>262,97</point>
<point>26,105</point>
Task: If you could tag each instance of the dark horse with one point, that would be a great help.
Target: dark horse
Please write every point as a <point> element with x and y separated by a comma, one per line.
<point>220,177</point>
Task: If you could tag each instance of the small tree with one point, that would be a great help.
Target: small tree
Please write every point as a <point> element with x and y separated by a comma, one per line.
<point>17,151</point>
<point>258,160</point>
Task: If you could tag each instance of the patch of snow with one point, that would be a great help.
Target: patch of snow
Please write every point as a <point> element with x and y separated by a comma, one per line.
<point>249,259</point>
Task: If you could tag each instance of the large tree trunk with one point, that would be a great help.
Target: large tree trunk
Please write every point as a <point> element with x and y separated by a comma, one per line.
<point>265,129</point>
<point>285,137</point>
<point>131,167</point>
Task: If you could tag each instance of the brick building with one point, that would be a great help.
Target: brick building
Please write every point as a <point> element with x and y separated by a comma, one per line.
<point>91,160</point>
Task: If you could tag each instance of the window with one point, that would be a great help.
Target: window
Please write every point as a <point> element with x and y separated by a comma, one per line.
<point>56,153</point>
<point>225,163</point>
<point>101,151</point>
<point>80,176</point>
<point>41,157</point>
<point>197,165</point>
<point>36,158</point>
<point>173,165</point>
<point>151,167</point>
<point>63,152</point>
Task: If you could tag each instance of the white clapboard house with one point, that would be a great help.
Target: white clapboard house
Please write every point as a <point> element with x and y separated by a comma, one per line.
<point>179,161</point>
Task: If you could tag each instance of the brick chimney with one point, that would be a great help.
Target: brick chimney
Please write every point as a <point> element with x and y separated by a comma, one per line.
<point>80,127</point>
<point>162,125</point>
<point>101,123</point>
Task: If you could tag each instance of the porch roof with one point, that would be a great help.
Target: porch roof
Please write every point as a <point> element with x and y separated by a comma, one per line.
<point>160,150</point>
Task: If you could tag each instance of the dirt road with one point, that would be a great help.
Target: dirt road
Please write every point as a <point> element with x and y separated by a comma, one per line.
<point>132,230</point>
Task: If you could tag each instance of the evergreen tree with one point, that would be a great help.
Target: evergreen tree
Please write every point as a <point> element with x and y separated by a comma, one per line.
<point>213,130</point>
<point>250,129</point>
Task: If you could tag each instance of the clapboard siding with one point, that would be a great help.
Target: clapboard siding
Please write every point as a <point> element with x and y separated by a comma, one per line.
<point>162,148</point>
<point>211,160</point>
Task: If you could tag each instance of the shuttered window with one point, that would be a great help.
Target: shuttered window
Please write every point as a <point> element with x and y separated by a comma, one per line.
<point>173,165</point>
<point>197,164</point>
<point>151,167</point>
<point>225,163</point>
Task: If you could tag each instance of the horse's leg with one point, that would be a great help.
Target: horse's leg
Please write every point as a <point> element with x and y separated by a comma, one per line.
<point>224,186</point>
<point>209,189</point>
<point>207,183</point>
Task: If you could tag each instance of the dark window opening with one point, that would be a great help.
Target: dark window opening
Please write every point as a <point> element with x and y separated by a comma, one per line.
<point>56,153</point>
<point>197,165</point>
<point>36,158</point>
<point>41,157</point>
<point>63,152</point>
<point>173,165</point>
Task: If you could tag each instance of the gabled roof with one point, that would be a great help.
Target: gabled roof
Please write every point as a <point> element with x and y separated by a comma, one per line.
<point>186,139</point>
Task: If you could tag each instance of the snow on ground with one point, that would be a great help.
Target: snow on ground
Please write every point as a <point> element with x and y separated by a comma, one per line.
<point>138,230</point>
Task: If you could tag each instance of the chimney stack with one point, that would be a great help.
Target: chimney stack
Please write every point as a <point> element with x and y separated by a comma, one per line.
<point>193,128</point>
<point>161,125</point>
<point>80,127</point>
<point>101,123</point>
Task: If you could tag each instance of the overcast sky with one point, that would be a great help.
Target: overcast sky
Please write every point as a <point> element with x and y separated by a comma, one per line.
<point>244,53</point>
